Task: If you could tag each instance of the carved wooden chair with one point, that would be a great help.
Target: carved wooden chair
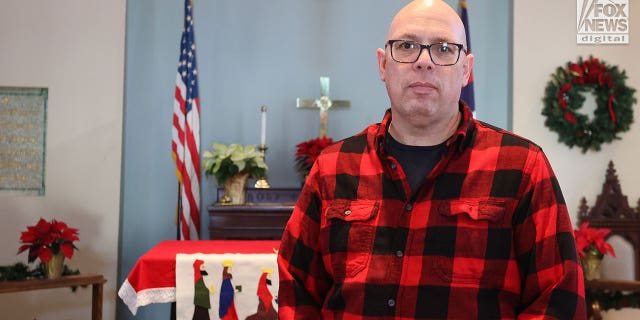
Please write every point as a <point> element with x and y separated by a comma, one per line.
<point>612,211</point>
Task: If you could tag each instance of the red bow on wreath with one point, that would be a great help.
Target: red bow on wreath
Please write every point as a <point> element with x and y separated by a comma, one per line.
<point>591,72</point>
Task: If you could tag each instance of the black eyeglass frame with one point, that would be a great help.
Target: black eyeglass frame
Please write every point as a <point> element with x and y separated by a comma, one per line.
<point>428,47</point>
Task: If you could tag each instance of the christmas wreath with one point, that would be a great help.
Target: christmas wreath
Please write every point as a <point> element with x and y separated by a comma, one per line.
<point>564,97</point>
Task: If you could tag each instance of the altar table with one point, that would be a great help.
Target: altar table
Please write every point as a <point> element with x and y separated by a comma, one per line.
<point>153,278</point>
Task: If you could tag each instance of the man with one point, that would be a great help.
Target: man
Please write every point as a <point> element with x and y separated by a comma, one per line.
<point>430,214</point>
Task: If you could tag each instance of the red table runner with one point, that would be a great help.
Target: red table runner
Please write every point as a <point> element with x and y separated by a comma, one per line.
<point>153,278</point>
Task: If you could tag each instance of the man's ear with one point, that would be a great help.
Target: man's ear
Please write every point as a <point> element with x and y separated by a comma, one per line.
<point>467,66</point>
<point>382,62</point>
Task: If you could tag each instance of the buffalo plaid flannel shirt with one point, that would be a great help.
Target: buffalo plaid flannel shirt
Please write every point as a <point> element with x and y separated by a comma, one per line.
<point>487,236</point>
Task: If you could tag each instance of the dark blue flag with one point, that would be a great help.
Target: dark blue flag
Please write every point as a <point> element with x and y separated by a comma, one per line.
<point>467,91</point>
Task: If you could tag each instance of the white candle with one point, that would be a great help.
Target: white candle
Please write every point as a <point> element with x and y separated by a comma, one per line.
<point>263,131</point>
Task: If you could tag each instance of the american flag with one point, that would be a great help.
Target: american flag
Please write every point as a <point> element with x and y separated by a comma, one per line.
<point>185,144</point>
<point>467,92</point>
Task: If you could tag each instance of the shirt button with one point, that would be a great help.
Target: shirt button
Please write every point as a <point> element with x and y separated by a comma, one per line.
<point>391,303</point>
<point>409,207</point>
<point>399,253</point>
<point>393,166</point>
<point>347,212</point>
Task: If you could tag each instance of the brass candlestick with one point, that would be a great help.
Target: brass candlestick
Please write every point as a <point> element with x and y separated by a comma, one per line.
<point>262,183</point>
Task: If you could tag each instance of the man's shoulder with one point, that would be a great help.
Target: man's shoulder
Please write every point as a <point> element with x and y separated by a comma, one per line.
<point>491,134</point>
<point>358,142</point>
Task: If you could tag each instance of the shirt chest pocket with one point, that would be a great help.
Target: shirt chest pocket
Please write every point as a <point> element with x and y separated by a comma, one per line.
<point>348,234</point>
<point>477,211</point>
<point>475,242</point>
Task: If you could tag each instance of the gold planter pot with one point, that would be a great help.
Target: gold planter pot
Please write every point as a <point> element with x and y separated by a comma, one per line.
<point>591,264</point>
<point>234,189</point>
<point>54,268</point>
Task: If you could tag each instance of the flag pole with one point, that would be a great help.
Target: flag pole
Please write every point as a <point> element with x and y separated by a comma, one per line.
<point>178,206</point>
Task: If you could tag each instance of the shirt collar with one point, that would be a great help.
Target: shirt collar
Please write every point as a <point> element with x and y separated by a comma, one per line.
<point>465,134</point>
<point>462,138</point>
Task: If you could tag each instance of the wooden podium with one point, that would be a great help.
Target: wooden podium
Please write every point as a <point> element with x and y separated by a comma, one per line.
<point>262,217</point>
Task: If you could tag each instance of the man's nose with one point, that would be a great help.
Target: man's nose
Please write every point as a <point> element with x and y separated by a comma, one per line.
<point>424,59</point>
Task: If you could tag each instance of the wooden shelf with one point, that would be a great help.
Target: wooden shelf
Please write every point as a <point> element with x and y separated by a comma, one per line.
<point>613,285</point>
<point>95,280</point>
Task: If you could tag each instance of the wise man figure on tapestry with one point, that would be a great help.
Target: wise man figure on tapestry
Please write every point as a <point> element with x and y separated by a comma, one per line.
<point>201,293</point>
<point>265,311</point>
<point>227,310</point>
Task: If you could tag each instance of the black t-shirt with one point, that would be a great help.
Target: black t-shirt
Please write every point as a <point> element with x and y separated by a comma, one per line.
<point>416,161</point>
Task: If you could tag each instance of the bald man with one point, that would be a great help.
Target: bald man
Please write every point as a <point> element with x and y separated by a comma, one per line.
<point>430,214</point>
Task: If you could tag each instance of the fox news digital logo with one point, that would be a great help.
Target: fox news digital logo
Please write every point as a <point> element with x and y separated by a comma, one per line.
<point>603,21</point>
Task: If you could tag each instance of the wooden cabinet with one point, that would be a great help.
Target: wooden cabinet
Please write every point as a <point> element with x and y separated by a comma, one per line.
<point>262,217</point>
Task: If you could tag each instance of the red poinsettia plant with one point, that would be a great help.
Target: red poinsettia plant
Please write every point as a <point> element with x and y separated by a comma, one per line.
<point>592,238</point>
<point>307,152</point>
<point>48,238</point>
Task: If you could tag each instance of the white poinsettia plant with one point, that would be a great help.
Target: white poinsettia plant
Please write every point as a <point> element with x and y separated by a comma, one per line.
<point>226,161</point>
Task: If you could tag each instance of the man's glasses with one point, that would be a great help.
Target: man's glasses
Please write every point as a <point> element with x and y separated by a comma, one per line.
<point>441,53</point>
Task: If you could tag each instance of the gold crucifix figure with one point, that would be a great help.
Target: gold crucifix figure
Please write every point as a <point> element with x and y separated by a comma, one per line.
<point>324,104</point>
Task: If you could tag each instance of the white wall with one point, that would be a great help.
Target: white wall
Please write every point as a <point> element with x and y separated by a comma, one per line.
<point>76,49</point>
<point>544,39</point>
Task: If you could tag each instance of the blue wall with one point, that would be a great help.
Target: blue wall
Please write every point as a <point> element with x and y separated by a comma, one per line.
<point>256,52</point>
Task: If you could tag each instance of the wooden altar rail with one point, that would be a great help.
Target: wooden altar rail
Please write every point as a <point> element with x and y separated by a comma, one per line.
<point>96,280</point>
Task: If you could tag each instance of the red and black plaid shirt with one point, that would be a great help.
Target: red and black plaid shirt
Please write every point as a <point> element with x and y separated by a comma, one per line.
<point>487,236</point>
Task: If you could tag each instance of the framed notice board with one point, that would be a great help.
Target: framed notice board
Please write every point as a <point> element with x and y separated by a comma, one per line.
<point>23,123</point>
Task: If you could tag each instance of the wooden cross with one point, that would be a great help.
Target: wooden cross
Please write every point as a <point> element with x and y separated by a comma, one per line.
<point>324,104</point>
